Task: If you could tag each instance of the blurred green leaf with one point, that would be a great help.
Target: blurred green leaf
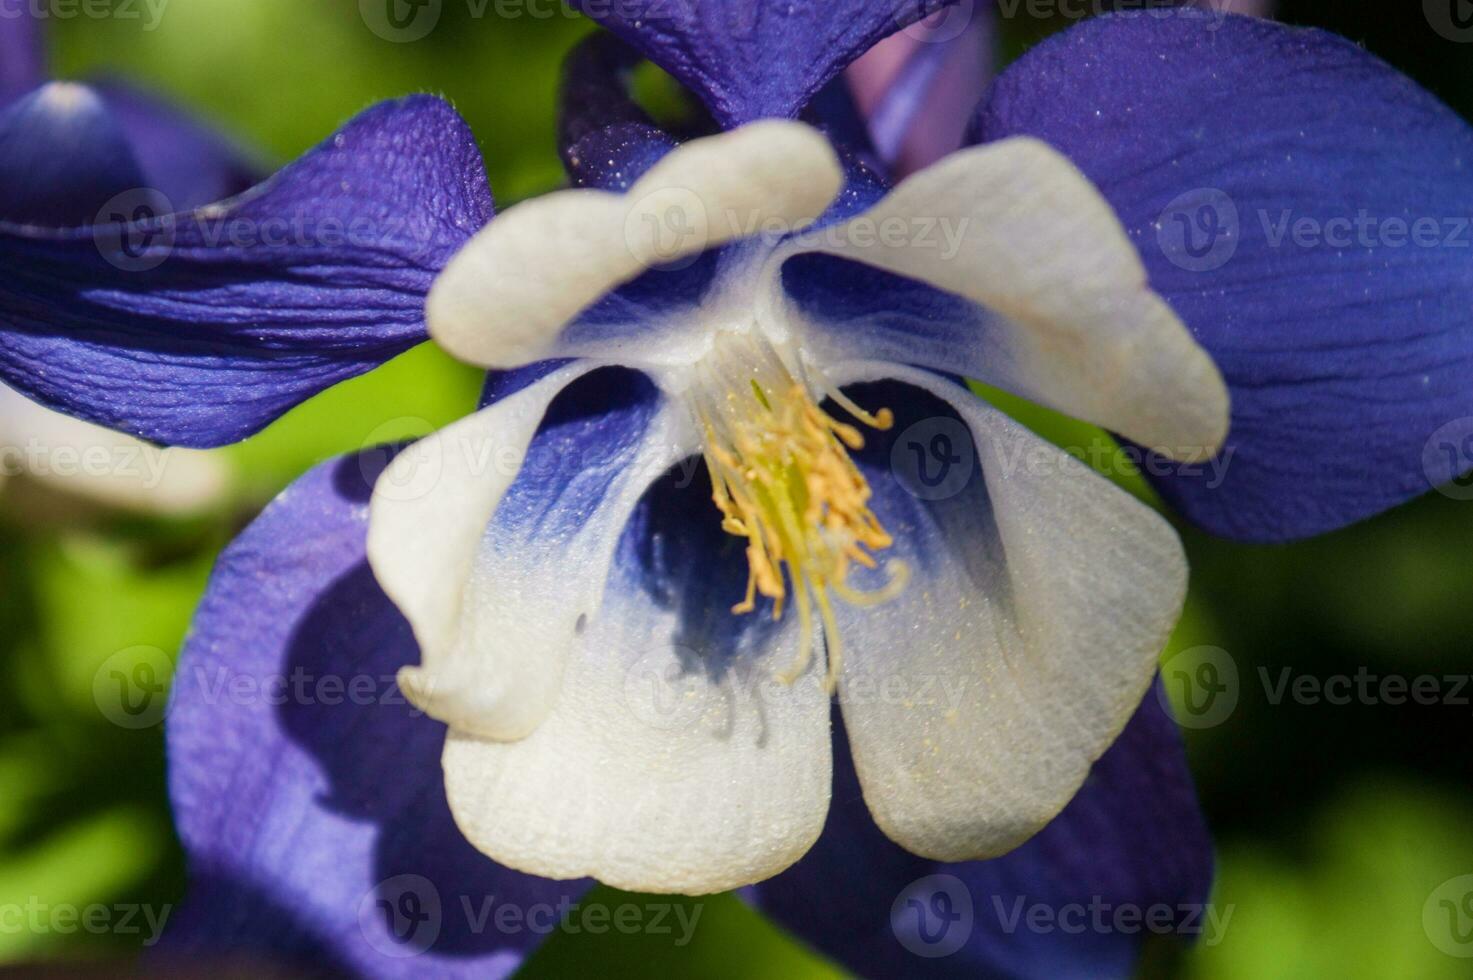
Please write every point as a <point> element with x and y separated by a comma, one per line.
<point>100,596</point>
<point>411,396</point>
<point>89,863</point>
<point>283,75</point>
<point>1350,906</point>
<point>719,925</point>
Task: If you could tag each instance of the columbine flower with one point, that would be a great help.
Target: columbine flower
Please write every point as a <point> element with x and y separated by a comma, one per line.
<point>191,322</point>
<point>66,151</point>
<point>556,553</point>
<point>1039,592</point>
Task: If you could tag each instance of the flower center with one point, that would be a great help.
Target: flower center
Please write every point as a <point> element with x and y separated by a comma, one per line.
<point>783,479</point>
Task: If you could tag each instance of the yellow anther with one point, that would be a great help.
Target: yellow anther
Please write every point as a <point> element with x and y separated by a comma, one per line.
<point>783,479</point>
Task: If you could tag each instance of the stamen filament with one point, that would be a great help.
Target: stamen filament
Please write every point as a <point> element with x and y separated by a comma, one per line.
<point>783,479</point>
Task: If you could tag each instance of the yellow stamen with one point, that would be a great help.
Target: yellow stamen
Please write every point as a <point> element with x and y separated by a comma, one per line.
<point>783,479</point>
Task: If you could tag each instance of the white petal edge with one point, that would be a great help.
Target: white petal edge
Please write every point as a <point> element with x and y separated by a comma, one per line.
<point>649,779</point>
<point>1025,658</point>
<point>492,631</point>
<point>506,296</point>
<point>103,466</point>
<point>1081,330</point>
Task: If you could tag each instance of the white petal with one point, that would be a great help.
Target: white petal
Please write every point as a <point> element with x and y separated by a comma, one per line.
<point>492,627</point>
<point>977,701</point>
<point>505,298</point>
<point>655,773</point>
<point>1016,228</point>
<point>104,466</point>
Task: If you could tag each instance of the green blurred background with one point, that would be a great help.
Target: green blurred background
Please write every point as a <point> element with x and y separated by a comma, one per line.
<point>1334,823</point>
